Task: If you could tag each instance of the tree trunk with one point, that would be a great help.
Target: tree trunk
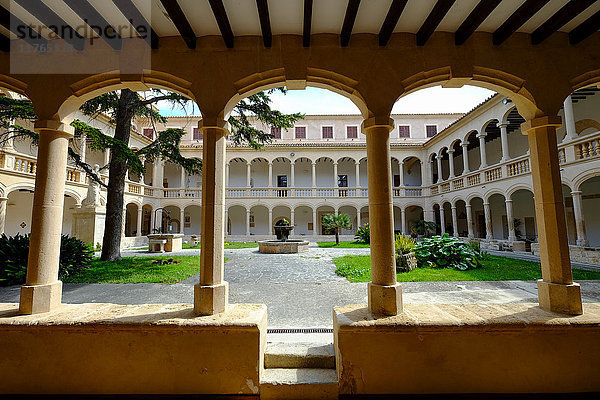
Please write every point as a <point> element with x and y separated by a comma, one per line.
<point>113,227</point>
<point>337,236</point>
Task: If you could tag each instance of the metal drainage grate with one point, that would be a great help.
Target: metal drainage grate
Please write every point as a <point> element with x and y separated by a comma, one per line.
<point>300,330</point>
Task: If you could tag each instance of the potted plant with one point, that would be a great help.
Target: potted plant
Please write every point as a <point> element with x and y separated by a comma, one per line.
<point>283,229</point>
<point>405,257</point>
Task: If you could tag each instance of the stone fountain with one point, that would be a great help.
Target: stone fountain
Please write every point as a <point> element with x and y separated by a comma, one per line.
<point>283,245</point>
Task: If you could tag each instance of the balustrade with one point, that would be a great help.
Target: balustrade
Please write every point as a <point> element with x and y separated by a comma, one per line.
<point>135,189</point>
<point>493,174</point>
<point>171,193</point>
<point>473,180</point>
<point>73,175</point>
<point>413,192</point>
<point>434,190</point>
<point>562,156</point>
<point>25,165</point>
<point>193,193</point>
<point>587,149</point>
<point>518,168</point>
<point>458,183</point>
<point>148,191</point>
<point>445,187</point>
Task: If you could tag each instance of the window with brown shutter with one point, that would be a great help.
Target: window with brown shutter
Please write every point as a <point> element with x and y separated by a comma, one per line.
<point>327,132</point>
<point>352,132</point>
<point>149,133</point>
<point>300,132</point>
<point>403,131</point>
<point>276,132</point>
<point>197,134</point>
<point>431,130</point>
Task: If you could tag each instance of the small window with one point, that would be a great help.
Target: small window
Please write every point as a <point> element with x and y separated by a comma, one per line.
<point>396,180</point>
<point>403,131</point>
<point>352,132</point>
<point>327,132</point>
<point>300,132</point>
<point>343,181</point>
<point>149,133</point>
<point>282,181</point>
<point>431,130</point>
<point>276,132</point>
<point>197,134</point>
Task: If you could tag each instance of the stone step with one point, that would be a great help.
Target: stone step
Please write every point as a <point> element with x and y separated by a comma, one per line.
<point>302,383</point>
<point>300,355</point>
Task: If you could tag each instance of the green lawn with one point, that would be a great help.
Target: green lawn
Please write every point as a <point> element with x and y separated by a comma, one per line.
<point>344,245</point>
<point>357,269</point>
<point>228,245</point>
<point>139,270</point>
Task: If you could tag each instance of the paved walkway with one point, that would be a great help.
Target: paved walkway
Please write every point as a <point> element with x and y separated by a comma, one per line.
<point>300,290</point>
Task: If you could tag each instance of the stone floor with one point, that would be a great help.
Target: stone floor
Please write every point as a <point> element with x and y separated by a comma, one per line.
<point>300,290</point>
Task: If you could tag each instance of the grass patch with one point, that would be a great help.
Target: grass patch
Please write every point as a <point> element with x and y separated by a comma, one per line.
<point>138,270</point>
<point>344,245</point>
<point>494,268</point>
<point>228,245</point>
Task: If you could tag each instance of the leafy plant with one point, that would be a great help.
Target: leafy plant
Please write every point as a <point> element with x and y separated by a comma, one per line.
<point>424,228</point>
<point>75,256</point>
<point>475,245</point>
<point>363,234</point>
<point>335,223</point>
<point>447,252</point>
<point>282,222</point>
<point>404,244</point>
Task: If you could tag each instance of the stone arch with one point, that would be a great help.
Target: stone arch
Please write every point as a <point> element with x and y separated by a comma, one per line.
<point>504,119</point>
<point>519,186</point>
<point>584,176</point>
<point>319,78</point>
<point>492,192</point>
<point>584,124</point>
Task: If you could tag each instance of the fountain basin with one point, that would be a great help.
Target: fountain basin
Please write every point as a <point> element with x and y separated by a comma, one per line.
<point>281,247</point>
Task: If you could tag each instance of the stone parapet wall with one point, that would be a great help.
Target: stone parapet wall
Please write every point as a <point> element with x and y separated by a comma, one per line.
<point>586,255</point>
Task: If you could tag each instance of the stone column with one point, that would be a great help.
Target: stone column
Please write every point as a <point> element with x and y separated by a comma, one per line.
<point>226,219</point>
<point>384,293</point>
<point>470,222</point>
<point>181,220</point>
<point>292,175</point>
<point>227,175</point>
<point>442,220</point>
<point>489,233</point>
<point>466,169</point>
<point>335,174</point>
<point>403,221</point>
<point>248,174</point>
<point>248,222</point>
<point>401,171</point>
<point>357,172</point>
<point>504,138</point>
<point>124,221</point>
<point>430,174</point>
<point>138,225</point>
<point>106,156</point>
<point>211,293</point>
<point>314,175</point>
<point>42,290</point>
<point>579,222</point>
<point>556,290</point>
<point>571,133</point>
<point>358,217</point>
<point>439,168</point>
<point>292,218</point>
<point>451,163</point>
<point>512,237</point>
<point>270,174</point>
<point>152,221</point>
<point>270,221</point>
<point>315,225</point>
<point>182,178</point>
<point>454,221</point>
<point>482,152</point>
<point>3,201</point>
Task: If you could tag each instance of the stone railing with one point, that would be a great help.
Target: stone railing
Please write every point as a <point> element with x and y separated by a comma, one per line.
<point>518,167</point>
<point>73,175</point>
<point>473,180</point>
<point>493,174</point>
<point>26,165</point>
<point>133,188</point>
<point>587,149</point>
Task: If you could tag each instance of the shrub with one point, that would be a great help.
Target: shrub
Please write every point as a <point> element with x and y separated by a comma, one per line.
<point>424,228</point>
<point>75,256</point>
<point>404,244</point>
<point>475,245</point>
<point>363,234</point>
<point>447,252</point>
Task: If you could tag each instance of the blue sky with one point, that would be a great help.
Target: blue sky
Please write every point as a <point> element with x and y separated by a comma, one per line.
<point>320,101</point>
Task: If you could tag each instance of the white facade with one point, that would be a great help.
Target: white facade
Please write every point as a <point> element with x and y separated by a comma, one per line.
<point>487,194</point>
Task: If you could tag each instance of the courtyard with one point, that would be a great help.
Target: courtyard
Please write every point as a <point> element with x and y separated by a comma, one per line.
<point>300,290</point>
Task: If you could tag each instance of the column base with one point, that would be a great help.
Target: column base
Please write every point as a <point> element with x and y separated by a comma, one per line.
<point>210,300</point>
<point>583,243</point>
<point>36,299</point>
<point>559,298</point>
<point>385,300</point>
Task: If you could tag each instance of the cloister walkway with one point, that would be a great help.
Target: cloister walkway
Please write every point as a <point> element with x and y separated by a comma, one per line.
<point>299,290</point>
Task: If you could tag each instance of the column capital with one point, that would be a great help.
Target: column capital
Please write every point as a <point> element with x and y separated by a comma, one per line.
<point>467,206</point>
<point>249,163</point>
<point>439,157</point>
<point>377,122</point>
<point>465,143</point>
<point>486,204</point>
<point>508,200</point>
<point>481,135</point>
<point>541,122</point>
<point>453,207</point>
<point>451,151</point>
<point>502,125</point>
<point>573,193</point>
<point>213,123</point>
<point>41,126</point>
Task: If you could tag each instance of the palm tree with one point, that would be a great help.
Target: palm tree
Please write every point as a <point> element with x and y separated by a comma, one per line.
<point>335,223</point>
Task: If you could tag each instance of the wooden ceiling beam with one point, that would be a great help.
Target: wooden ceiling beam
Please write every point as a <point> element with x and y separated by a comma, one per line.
<point>92,18</point>
<point>585,29</point>
<point>517,19</point>
<point>437,14</point>
<point>474,20</point>
<point>391,20</point>
<point>220,14</point>
<point>265,22</point>
<point>180,21</point>
<point>11,23</point>
<point>137,20</point>
<point>306,28</point>
<point>560,19</point>
<point>351,12</point>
